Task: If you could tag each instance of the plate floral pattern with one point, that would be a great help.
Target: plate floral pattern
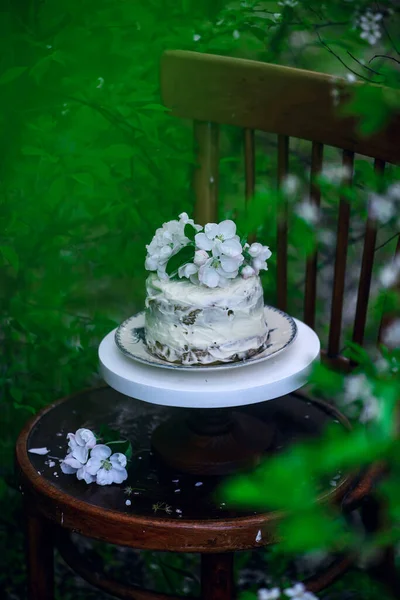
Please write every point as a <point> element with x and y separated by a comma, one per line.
<point>130,339</point>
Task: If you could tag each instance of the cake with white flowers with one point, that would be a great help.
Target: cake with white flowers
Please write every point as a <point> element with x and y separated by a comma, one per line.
<point>204,301</point>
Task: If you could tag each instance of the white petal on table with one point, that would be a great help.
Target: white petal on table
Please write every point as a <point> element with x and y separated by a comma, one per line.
<point>41,451</point>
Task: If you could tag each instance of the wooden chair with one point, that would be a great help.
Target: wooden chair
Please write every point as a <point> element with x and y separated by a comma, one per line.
<point>210,90</point>
<point>214,90</point>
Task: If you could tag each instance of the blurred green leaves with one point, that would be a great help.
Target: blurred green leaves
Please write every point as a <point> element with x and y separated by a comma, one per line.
<point>93,164</point>
<point>11,74</point>
<point>294,482</point>
<point>365,97</point>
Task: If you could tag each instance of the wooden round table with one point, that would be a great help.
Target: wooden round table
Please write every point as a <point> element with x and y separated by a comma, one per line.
<point>212,438</point>
<point>197,519</point>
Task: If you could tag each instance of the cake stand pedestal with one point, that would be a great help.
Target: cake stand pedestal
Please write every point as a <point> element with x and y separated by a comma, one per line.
<point>211,442</point>
<point>213,439</point>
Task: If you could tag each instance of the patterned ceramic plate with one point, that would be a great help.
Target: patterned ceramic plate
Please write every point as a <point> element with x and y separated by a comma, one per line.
<point>130,339</point>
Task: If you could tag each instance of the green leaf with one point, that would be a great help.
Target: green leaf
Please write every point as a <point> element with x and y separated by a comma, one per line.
<point>128,452</point>
<point>370,119</point>
<point>16,393</point>
<point>312,530</point>
<point>33,151</point>
<point>26,407</point>
<point>190,231</point>
<point>303,237</point>
<point>255,490</point>
<point>84,179</point>
<point>258,32</point>
<point>106,434</point>
<point>119,151</point>
<point>122,446</point>
<point>184,256</point>
<point>357,354</point>
<point>40,68</point>
<point>10,255</point>
<point>11,74</point>
<point>246,595</point>
<point>156,107</point>
<point>326,380</point>
<point>58,57</point>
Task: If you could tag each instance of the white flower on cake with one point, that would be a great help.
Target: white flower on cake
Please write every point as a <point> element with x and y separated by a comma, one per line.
<point>167,241</point>
<point>248,271</point>
<point>188,270</point>
<point>205,304</point>
<point>200,258</point>
<point>260,255</point>
<point>210,257</point>
<point>221,238</point>
<point>218,269</point>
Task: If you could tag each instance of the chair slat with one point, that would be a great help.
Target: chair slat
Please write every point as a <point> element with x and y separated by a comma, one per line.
<point>388,317</point>
<point>282,233</point>
<point>205,180</point>
<point>340,261</point>
<point>311,270</point>
<point>366,269</point>
<point>249,163</point>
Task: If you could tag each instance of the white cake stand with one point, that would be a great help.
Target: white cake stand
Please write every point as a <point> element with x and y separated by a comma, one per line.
<point>220,440</point>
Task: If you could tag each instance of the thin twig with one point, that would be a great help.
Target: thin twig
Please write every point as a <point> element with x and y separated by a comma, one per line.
<point>331,24</point>
<point>325,45</point>
<point>390,38</point>
<point>363,65</point>
<point>387,241</point>
<point>386,57</point>
<point>331,257</point>
<point>320,17</point>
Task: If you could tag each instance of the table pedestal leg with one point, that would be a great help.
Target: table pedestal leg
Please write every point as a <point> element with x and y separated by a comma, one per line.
<point>217,576</point>
<point>40,558</point>
<point>212,441</point>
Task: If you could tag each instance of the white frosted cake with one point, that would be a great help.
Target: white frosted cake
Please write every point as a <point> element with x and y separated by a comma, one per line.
<point>204,301</point>
<point>192,324</point>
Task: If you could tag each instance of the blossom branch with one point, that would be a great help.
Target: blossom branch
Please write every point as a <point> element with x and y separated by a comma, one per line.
<point>363,65</point>
<point>329,49</point>
<point>386,57</point>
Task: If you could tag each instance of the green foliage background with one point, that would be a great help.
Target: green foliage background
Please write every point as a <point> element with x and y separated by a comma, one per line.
<point>92,164</point>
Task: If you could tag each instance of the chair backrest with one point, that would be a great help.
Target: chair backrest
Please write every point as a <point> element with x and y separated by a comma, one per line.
<point>213,90</point>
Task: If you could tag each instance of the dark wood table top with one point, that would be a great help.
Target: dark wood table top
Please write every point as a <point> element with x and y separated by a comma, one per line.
<point>197,518</point>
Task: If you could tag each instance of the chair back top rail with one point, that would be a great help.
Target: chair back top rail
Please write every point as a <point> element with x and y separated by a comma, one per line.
<point>271,98</point>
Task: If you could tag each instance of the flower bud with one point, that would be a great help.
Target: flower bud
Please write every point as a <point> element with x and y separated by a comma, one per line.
<point>255,249</point>
<point>200,257</point>
<point>248,272</point>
